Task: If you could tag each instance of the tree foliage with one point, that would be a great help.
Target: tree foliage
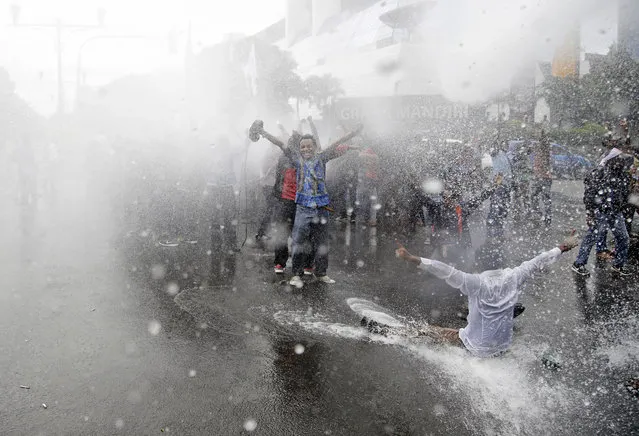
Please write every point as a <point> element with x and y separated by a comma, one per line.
<point>223,70</point>
<point>321,90</point>
<point>609,90</point>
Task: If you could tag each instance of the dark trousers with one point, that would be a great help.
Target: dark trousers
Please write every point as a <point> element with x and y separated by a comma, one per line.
<point>283,219</point>
<point>541,190</point>
<point>612,221</point>
<point>521,198</point>
<point>498,211</point>
<point>310,239</point>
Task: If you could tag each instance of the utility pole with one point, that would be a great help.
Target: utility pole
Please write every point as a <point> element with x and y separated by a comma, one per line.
<point>59,27</point>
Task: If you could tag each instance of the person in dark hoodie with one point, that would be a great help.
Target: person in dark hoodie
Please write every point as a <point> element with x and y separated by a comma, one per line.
<point>606,191</point>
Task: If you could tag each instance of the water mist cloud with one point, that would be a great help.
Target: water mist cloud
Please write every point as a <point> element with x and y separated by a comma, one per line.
<point>479,46</point>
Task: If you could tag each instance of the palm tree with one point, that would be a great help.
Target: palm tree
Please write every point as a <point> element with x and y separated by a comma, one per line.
<point>321,90</point>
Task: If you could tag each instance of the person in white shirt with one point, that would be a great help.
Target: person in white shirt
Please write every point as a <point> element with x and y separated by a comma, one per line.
<point>492,296</point>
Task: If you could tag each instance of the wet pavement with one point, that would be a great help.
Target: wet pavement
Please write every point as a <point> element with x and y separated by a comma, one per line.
<point>119,335</point>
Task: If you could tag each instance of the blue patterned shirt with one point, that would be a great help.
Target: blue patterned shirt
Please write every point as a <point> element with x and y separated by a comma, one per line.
<point>311,177</point>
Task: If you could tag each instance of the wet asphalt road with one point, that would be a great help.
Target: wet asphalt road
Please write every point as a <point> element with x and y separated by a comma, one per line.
<point>118,335</point>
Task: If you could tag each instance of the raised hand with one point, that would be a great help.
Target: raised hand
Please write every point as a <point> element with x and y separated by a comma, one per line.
<point>404,254</point>
<point>570,242</point>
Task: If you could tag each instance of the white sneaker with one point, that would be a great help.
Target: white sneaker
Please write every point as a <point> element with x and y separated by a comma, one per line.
<point>326,279</point>
<point>297,282</point>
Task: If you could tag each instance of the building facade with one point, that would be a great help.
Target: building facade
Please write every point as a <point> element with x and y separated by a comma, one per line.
<point>628,26</point>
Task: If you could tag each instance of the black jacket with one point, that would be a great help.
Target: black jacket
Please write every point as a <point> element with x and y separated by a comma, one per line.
<point>607,187</point>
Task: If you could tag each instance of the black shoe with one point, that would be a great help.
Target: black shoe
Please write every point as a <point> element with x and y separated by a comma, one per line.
<point>581,270</point>
<point>620,270</point>
<point>518,310</point>
<point>375,327</point>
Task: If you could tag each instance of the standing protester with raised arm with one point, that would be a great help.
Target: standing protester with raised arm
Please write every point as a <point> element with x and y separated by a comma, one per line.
<point>310,230</point>
<point>492,296</point>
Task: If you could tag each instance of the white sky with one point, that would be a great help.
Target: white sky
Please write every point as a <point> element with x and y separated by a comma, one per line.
<point>29,53</point>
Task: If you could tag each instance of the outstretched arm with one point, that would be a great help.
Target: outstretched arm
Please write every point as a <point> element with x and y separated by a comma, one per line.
<point>529,267</point>
<point>275,140</point>
<point>331,152</point>
<point>285,135</point>
<point>477,201</point>
<point>466,283</point>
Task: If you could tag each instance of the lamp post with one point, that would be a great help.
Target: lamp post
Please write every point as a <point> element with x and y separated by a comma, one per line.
<point>59,27</point>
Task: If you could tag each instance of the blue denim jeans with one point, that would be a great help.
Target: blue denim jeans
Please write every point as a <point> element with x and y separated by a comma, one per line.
<point>613,221</point>
<point>310,240</point>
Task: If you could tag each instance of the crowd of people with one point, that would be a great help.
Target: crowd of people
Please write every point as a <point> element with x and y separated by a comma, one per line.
<point>519,181</point>
<point>454,192</point>
<point>445,187</point>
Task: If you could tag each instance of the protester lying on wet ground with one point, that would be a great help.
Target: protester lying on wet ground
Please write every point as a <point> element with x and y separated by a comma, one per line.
<point>310,229</point>
<point>492,296</point>
<point>606,191</point>
<point>449,218</point>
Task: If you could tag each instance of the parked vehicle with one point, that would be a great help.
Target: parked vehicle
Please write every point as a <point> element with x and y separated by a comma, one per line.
<point>564,163</point>
<point>568,164</point>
